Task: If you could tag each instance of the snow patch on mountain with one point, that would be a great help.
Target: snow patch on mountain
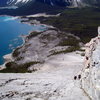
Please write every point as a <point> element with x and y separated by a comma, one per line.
<point>15,2</point>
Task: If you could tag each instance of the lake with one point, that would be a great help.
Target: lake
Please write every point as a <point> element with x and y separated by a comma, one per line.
<point>10,31</point>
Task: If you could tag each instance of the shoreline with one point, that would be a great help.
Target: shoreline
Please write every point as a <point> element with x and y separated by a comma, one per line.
<point>43,15</point>
<point>8,57</point>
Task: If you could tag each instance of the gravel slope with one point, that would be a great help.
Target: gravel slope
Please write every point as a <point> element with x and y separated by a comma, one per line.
<point>55,81</point>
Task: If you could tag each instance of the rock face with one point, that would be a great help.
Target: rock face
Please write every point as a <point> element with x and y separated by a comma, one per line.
<point>91,72</point>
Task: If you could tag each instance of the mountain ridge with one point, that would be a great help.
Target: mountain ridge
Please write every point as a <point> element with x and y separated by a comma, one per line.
<point>74,3</point>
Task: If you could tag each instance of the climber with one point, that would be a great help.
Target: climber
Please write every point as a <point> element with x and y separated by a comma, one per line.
<point>75,77</point>
<point>87,58</point>
<point>88,66</point>
<point>79,76</point>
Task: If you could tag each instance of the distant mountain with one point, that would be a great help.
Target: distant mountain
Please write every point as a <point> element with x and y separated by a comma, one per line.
<point>75,3</point>
<point>37,6</point>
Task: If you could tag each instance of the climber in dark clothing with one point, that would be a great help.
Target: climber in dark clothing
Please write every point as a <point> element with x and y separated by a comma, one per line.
<point>79,76</point>
<point>75,77</point>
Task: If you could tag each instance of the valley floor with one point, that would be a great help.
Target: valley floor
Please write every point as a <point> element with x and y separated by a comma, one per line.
<point>55,81</point>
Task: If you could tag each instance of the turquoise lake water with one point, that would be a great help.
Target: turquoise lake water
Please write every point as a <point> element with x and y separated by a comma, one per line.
<point>10,31</point>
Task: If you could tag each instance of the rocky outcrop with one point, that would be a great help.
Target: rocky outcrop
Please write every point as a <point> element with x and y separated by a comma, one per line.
<point>91,72</point>
<point>37,49</point>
